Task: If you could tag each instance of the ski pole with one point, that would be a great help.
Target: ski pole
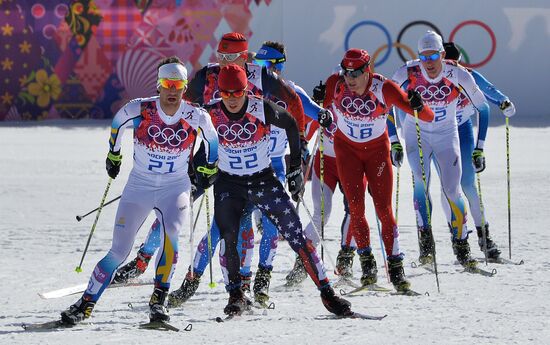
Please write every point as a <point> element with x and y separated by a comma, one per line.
<point>397,198</point>
<point>193,227</point>
<point>481,208</point>
<point>79,267</point>
<point>209,236</point>
<point>383,249</point>
<point>317,232</point>
<point>322,183</point>
<point>79,218</point>
<point>309,165</point>
<point>508,188</point>
<point>429,228</point>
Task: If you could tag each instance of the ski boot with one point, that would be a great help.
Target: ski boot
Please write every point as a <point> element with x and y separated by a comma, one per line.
<point>238,302</point>
<point>462,248</point>
<point>492,249</point>
<point>77,312</point>
<point>298,273</point>
<point>133,269</point>
<point>187,289</point>
<point>334,304</point>
<point>245,283</point>
<point>157,305</point>
<point>261,285</point>
<point>344,262</point>
<point>397,273</point>
<point>426,242</point>
<point>368,265</point>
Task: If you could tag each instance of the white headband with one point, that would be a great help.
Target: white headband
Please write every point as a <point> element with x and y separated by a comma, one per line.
<point>172,71</point>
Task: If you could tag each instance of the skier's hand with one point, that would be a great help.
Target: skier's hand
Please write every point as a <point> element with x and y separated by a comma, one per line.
<point>319,92</point>
<point>324,117</point>
<point>478,158</point>
<point>295,179</point>
<point>112,163</point>
<point>508,108</point>
<point>304,150</point>
<point>396,154</point>
<point>415,100</point>
<point>206,175</point>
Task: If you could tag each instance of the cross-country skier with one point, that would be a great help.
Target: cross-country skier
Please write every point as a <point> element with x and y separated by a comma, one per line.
<point>165,128</point>
<point>242,123</point>
<point>360,101</point>
<point>472,156</point>
<point>440,83</point>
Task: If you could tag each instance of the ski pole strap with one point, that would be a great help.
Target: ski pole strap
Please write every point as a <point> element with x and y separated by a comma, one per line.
<point>207,171</point>
<point>114,157</point>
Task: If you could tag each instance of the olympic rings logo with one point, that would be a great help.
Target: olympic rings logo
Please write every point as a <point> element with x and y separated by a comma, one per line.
<point>357,105</point>
<point>237,131</point>
<point>411,52</point>
<point>433,93</point>
<point>281,104</point>
<point>167,135</point>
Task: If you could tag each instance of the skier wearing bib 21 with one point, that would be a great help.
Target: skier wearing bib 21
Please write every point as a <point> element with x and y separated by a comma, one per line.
<point>246,176</point>
<point>360,101</point>
<point>165,128</point>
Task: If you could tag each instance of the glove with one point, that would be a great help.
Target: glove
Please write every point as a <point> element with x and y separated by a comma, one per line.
<point>415,100</point>
<point>396,154</point>
<point>508,108</point>
<point>324,117</point>
<point>304,149</point>
<point>112,163</point>
<point>295,179</point>
<point>206,175</point>
<point>478,159</point>
<point>319,92</point>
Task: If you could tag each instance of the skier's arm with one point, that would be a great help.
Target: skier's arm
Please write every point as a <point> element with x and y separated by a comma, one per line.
<point>391,122</point>
<point>311,109</point>
<point>209,136</point>
<point>489,90</point>
<point>469,88</point>
<point>393,95</point>
<point>279,117</point>
<point>195,89</point>
<point>330,90</point>
<point>273,85</point>
<point>482,125</point>
<point>124,118</point>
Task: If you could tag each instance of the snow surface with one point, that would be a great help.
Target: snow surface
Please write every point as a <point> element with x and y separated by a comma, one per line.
<point>50,173</point>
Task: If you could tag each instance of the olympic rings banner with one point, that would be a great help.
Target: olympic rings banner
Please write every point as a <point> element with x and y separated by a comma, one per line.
<point>86,58</point>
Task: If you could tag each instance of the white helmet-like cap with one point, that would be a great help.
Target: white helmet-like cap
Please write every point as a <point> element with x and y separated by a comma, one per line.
<point>430,41</point>
<point>172,71</point>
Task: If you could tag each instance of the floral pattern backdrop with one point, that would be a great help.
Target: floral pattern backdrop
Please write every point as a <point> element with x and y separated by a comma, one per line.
<point>86,58</point>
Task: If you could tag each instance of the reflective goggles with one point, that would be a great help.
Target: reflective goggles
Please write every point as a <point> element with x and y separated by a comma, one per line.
<point>229,57</point>
<point>168,83</point>
<point>268,63</point>
<point>236,94</point>
<point>355,73</point>
<point>432,57</point>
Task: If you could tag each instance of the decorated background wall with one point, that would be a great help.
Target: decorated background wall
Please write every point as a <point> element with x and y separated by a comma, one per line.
<point>85,58</point>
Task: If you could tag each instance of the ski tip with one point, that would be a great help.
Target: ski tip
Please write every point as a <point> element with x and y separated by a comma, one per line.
<point>218,319</point>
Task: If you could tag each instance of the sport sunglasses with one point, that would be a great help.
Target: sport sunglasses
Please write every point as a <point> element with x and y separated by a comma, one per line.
<point>268,63</point>
<point>168,83</point>
<point>236,94</point>
<point>354,73</point>
<point>432,57</point>
<point>229,57</point>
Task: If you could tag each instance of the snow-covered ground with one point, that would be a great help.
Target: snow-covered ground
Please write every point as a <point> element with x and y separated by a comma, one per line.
<point>50,174</point>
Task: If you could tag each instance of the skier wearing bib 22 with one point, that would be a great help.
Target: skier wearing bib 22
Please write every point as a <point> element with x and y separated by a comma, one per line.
<point>473,158</point>
<point>246,176</point>
<point>165,128</point>
<point>440,83</point>
<point>360,101</point>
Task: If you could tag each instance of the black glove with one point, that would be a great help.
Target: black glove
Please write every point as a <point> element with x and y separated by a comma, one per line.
<point>112,163</point>
<point>319,92</point>
<point>295,179</point>
<point>324,117</point>
<point>206,175</point>
<point>415,100</point>
<point>478,158</point>
<point>396,154</point>
<point>304,150</point>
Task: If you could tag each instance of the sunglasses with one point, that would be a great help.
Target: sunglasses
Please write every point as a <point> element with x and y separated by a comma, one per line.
<point>236,94</point>
<point>354,73</point>
<point>268,63</point>
<point>432,57</point>
<point>229,57</point>
<point>168,83</point>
